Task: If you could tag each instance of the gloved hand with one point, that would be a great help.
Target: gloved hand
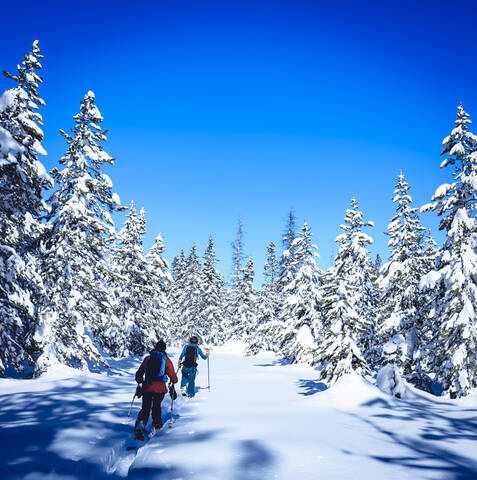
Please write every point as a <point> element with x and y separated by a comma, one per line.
<point>172,391</point>
<point>139,391</point>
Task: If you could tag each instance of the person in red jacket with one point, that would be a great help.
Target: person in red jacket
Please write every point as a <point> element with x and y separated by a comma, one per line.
<point>153,373</point>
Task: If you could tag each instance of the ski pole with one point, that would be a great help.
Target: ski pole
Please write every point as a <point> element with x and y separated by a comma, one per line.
<point>208,370</point>
<point>129,413</point>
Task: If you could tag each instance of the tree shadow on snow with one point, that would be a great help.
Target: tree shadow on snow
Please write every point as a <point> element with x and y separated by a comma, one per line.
<point>433,450</point>
<point>78,429</point>
<point>61,430</point>
<point>274,363</point>
<point>255,461</point>
<point>310,387</point>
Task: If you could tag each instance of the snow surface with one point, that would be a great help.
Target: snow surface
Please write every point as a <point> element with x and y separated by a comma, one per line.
<point>262,419</point>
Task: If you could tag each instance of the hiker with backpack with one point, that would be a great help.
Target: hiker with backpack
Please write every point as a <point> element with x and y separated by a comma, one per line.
<point>152,374</point>
<point>188,362</point>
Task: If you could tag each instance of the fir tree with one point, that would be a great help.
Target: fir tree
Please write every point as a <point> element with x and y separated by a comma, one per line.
<point>160,280</point>
<point>187,309</point>
<point>246,321</point>
<point>452,323</point>
<point>402,301</point>
<point>300,314</point>
<point>288,263</point>
<point>212,308</point>
<point>133,291</point>
<point>22,181</point>
<point>268,306</point>
<point>238,256</point>
<point>76,244</point>
<point>232,300</point>
<point>348,300</point>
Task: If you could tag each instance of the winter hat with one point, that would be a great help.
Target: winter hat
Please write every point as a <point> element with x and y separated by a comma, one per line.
<point>160,346</point>
<point>193,339</point>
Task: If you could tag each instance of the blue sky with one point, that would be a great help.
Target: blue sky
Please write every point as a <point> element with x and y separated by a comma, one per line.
<point>222,109</point>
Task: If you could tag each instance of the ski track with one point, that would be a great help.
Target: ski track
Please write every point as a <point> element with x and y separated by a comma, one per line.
<point>261,420</point>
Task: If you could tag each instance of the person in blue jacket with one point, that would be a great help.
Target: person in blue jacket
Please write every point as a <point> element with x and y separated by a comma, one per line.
<point>188,362</point>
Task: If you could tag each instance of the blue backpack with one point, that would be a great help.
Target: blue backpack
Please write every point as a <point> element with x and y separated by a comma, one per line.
<point>156,367</point>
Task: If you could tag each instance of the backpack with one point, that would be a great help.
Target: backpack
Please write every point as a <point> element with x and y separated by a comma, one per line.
<point>190,357</point>
<point>156,367</point>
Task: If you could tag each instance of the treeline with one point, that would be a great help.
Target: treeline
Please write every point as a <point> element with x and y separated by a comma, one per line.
<point>74,290</point>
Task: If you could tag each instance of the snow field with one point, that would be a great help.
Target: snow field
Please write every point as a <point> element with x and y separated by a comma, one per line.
<point>260,420</point>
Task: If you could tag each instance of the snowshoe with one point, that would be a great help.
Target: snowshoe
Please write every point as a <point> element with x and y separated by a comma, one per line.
<point>155,429</point>
<point>139,432</point>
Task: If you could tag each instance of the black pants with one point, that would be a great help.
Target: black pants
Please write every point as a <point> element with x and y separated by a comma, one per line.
<point>151,399</point>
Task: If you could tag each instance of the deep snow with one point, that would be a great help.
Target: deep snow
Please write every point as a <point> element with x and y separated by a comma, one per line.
<point>260,420</point>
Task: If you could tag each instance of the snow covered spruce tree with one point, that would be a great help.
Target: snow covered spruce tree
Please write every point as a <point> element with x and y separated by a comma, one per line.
<point>269,327</point>
<point>451,325</point>
<point>300,313</point>
<point>245,319</point>
<point>187,291</point>
<point>268,301</point>
<point>135,292</point>
<point>212,308</point>
<point>288,263</point>
<point>22,181</point>
<point>348,300</point>
<point>232,301</point>
<point>75,246</point>
<point>402,302</point>
<point>160,281</point>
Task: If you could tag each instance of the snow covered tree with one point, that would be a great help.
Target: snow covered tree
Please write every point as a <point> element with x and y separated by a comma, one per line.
<point>232,300</point>
<point>244,315</point>
<point>269,299</point>
<point>75,246</point>
<point>378,262</point>
<point>268,307</point>
<point>288,263</point>
<point>212,308</point>
<point>238,256</point>
<point>451,325</point>
<point>134,293</point>
<point>187,290</point>
<point>160,280</point>
<point>402,301</point>
<point>300,313</point>
<point>348,299</point>
<point>22,181</point>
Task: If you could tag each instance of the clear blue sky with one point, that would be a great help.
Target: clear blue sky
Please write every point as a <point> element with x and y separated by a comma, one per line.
<point>221,109</point>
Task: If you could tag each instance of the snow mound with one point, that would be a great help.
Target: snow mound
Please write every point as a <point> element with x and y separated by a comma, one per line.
<point>232,346</point>
<point>349,392</point>
<point>389,381</point>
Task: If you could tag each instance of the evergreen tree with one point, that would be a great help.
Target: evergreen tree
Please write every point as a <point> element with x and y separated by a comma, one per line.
<point>212,308</point>
<point>300,314</point>
<point>187,309</point>
<point>246,321</point>
<point>76,244</point>
<point>348,300</point>
<point>160,280</point>
<point>22,181</point>
<point>452,323</point>
<point>402,301</point>
<point>232,299</point>
<point>288,262</point>
<point>378,262</point>
<point>268,307</point>
<point>133,292</point>
<point>238,256</point>
<point>174,297</point>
